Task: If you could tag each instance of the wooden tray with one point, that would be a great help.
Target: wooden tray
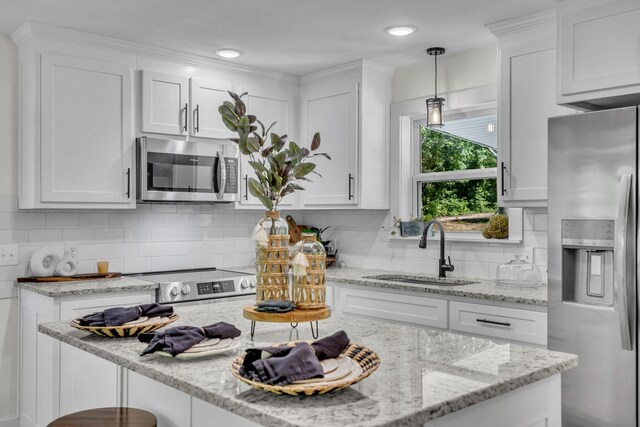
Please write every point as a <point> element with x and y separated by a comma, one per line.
<point>293,316</point>
<point>366,358</point>
<point>125,330</point>
<point>90,276</point>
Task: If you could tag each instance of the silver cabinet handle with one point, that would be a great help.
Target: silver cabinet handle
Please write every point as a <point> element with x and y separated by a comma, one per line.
<point>493,322</point>
<point>620,255</point>
<point>222,176</point>
<point>246,187</point>
<point>186,117</point>
<point>351,179</point>
<point>196,118</point>
<point>128,183</point>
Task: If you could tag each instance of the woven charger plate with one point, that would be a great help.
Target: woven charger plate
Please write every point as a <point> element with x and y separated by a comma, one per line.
<point>367,360</point>
<point>127,330</point>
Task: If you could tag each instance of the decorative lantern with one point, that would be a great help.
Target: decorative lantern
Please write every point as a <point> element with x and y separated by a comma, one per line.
<point>435,104</point>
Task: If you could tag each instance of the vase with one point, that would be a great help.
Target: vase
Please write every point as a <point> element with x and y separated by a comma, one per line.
<point>272,258</point>
<point>309,262</point>
<point>67,266</point>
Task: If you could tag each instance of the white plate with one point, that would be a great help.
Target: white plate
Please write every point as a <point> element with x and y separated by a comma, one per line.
<point>223,346</point>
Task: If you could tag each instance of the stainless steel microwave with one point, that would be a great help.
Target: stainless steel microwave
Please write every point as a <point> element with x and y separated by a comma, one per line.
<point>186,171</point>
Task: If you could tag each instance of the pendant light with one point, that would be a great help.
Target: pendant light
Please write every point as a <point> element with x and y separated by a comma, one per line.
<point>434,105</point>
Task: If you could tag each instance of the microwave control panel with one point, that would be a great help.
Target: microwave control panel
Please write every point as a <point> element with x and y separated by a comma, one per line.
<point>232,175</point>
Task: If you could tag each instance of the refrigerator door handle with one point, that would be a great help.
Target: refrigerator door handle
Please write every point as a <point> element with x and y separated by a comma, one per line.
<point>620,290</point>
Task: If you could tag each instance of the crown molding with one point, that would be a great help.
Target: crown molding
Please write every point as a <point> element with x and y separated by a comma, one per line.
<point>524,22</point>
<point>332,72</point>
<point>29,30</point>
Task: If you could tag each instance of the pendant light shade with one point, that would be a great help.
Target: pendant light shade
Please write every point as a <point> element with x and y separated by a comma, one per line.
<point>435,104</point>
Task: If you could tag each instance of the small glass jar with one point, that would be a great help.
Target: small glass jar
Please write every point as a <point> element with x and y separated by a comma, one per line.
<point>518,272</point>
<point>309,262</point>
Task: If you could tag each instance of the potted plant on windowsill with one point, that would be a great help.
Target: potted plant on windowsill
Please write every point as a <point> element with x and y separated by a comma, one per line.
<point>278,168</point>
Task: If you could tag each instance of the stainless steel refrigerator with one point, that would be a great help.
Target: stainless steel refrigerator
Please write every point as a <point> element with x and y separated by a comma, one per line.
<point>592,241</point>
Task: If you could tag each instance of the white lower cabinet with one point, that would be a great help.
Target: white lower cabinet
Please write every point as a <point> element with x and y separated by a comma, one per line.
<point>171,407</point>
<point>57,379</point>
<point>412,309</point>
<point>499,322</point>
<point>506,323</point>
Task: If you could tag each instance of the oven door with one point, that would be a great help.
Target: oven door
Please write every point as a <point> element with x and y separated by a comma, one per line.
<point>185,171</point>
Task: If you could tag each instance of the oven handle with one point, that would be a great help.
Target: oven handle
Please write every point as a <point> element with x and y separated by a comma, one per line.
<point>222,175</point>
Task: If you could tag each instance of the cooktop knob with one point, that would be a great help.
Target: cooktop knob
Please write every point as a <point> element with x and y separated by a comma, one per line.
<point>185,289</point>
<point>174,291</point>
<point>244,284</point>
<point>252,283</point>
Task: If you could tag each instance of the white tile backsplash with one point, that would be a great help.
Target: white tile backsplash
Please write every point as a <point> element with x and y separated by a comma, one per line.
<point>162,237</point>
<point>151,237</point>
<point>363,241</point>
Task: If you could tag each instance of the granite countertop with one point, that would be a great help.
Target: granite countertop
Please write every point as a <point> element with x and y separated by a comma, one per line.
<point>425,374</point>
<point>85,287</point>
<point>483,289</point>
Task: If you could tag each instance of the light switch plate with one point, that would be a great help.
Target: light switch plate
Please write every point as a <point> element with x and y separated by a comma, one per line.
<point>528,254</point>
<point>9,255</point>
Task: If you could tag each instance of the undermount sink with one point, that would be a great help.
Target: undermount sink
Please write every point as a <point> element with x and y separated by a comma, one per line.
<point>420,280</point>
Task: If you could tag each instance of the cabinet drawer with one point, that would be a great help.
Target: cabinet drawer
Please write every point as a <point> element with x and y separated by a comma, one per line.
<point>499,322</point>
<point>387,306</point>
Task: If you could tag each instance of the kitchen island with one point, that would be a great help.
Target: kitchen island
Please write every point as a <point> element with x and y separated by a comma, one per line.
<point>426,377</point>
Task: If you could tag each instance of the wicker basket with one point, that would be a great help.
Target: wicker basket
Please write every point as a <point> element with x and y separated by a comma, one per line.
<point>309,291</point>
<point>366,358</point>
<point>125,330</point>
<point>272,269</point>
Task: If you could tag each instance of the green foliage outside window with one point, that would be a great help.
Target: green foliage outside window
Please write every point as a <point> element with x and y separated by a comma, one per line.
<point>442,152</point>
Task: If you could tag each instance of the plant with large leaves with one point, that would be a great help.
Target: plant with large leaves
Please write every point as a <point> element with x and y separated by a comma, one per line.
<point>277,165</point>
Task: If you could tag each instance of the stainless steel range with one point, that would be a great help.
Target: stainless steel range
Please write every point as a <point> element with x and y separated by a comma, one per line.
<point>200,285</point>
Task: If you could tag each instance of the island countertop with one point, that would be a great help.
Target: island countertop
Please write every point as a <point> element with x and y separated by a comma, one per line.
<point>424,374</point>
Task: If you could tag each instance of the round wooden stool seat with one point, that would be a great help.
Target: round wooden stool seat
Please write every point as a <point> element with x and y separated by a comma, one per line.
<point>107,417</point>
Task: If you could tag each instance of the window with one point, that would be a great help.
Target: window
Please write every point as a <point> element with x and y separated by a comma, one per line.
<point>456,171</point>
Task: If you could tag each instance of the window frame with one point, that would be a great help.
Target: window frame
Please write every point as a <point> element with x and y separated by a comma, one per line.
<point>419,177</point>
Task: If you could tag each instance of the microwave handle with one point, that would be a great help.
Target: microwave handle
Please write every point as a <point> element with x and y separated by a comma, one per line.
<point>222,180</point>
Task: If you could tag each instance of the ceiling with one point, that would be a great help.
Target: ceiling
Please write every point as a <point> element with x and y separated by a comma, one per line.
<point>292,36</point>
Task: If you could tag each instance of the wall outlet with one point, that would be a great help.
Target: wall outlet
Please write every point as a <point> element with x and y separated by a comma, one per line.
<point>9,255</point>
<point>73,248</point>
<point>527,254</point>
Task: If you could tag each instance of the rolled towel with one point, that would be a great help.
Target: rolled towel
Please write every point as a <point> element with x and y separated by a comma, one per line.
<point>120,315</point>
<point>180,338</point>
<point>298,363</point>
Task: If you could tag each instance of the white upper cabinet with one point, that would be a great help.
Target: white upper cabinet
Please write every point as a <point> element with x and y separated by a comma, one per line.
<point>349,107</point>
<point>165,103</point>
<point>268,108</point>
<point>76,121</point>
<point>176,105</point>
<point>206,97</point>
<point>526,100</point>
<point>599,54</point>
<point>333,112</point>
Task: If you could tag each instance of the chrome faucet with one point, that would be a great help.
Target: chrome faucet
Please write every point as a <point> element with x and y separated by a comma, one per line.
<point>443,266</point>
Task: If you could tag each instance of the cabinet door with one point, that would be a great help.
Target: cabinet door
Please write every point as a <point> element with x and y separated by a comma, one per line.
<point>81,371</point>
<point>87,138</point>
<point>268,110</point>
<point>334,114</point>
<point>405,308</point>
<point>600,50</point>
<point>527,100</point>
<point>171,407</point>
<point>499,322</point>
<point>165,103</point>
<point>206,97</point>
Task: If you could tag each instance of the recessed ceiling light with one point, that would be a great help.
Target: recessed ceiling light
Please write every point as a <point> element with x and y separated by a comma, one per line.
<point>400,30</point>
<point>228,53</point>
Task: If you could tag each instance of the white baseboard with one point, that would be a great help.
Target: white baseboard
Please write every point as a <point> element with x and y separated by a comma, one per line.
<point>11,422</point>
